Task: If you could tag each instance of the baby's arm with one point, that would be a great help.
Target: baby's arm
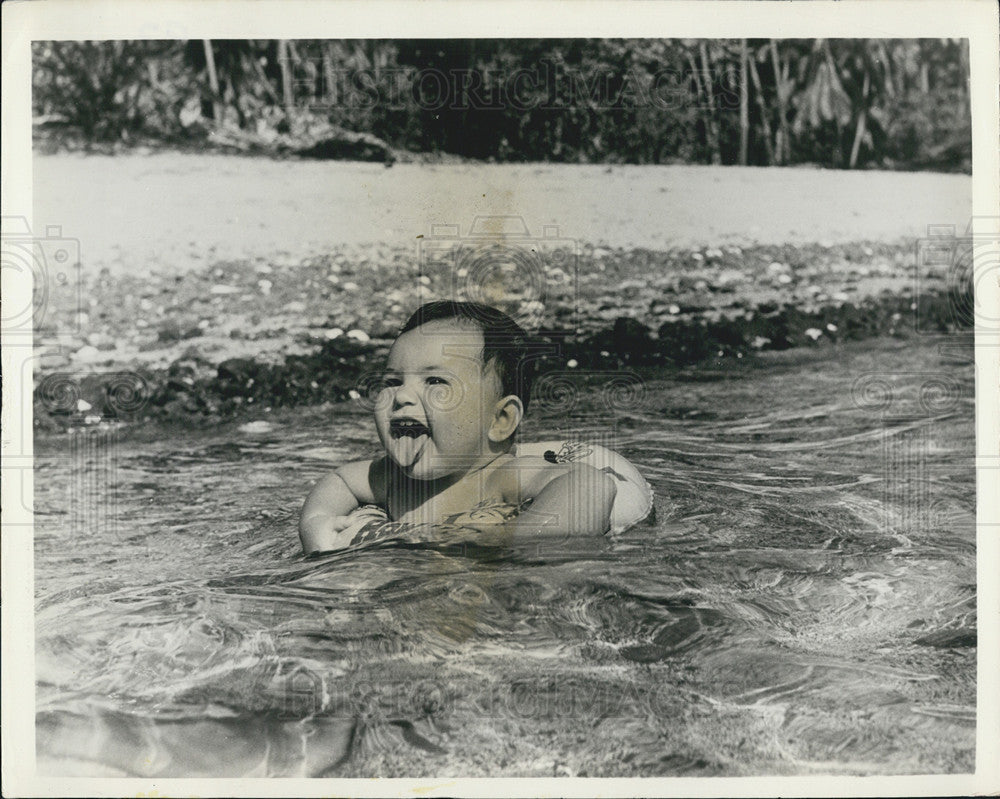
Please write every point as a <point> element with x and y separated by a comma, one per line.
<point>569,499</point>
<point>324,514</point>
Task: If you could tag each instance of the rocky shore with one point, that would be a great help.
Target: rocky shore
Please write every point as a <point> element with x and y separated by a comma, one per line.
<point>243,337</point>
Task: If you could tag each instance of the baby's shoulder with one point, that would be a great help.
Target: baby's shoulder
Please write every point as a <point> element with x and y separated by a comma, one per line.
<point>526,462</point>
<point>522,476</point>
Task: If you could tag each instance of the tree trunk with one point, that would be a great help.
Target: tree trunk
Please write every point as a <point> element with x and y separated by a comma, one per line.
<point>712,129</point>
<point>744,103</point>
<point>783,143</point>
<point>765,123</point>
<point>213,81</point>
<point>859,132</point>
<point>330,90</point>
<point>286,78</point>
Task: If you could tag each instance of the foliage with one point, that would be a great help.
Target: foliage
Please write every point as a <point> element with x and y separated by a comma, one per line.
<point>841,103</point>
<point>112,89</point>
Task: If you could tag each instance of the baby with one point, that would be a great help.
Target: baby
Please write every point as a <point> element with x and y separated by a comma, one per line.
<point>454,393</point>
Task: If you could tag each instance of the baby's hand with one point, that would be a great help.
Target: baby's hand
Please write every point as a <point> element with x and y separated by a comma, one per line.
<point>337,523</point>
<point>368,513</point>
<point>329,532</point>
<point>357,520</point>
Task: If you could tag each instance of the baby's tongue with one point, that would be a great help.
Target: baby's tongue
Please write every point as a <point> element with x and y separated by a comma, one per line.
<point>408,449</point>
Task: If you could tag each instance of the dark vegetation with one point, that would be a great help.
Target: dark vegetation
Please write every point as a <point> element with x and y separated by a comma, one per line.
<point>843,103</point>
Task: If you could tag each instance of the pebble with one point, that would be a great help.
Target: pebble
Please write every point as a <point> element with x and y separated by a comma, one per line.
<point>53,360</point>
<point>101,340</point>
<point>220,289</point>
<point>82,405</point>
<point>728,276</point>
<point>90,354</point>
<point>265,286</point>
<point>814,333</point>
<point>572,363</point>
<point>359,335</point>
<point>350,285</point>
<point>784,279</point>
<point>332,333</point>
<point>256,427</point>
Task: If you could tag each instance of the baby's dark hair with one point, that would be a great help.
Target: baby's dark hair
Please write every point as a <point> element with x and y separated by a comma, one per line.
<point>505,342</point>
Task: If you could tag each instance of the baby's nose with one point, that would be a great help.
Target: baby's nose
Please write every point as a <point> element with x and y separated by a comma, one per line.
<point>404,395</point>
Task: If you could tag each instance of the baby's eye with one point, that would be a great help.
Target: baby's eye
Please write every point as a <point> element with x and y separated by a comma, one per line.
<point>434,380</point>
<point>391,382</point>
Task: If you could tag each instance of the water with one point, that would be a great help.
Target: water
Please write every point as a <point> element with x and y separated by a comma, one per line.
<point>803,603</point>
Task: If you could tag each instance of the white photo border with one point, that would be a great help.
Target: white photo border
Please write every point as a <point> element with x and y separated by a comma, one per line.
<point>23,22</point>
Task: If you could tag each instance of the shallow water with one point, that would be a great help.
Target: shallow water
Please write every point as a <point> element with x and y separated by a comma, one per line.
<point>803,602</point>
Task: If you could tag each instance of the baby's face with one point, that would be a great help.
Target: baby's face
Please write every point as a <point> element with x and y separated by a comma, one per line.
<point>434,414</point>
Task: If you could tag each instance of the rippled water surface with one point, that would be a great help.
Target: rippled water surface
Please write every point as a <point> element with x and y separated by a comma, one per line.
<point>803,602</point>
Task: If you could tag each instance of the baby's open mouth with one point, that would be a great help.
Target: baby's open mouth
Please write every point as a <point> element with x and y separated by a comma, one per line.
<point>407,427</point>
<point>408,440</point>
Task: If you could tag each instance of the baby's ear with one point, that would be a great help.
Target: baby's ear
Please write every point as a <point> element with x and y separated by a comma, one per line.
<point>507,415</point>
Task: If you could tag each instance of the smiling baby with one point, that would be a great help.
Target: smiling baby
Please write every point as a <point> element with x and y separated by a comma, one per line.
<point>454,392</point>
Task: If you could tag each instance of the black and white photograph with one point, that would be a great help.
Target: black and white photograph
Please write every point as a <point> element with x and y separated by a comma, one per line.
<point>536,393</point>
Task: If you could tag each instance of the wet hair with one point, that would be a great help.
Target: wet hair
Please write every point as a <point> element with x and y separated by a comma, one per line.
<point>504,340</point>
